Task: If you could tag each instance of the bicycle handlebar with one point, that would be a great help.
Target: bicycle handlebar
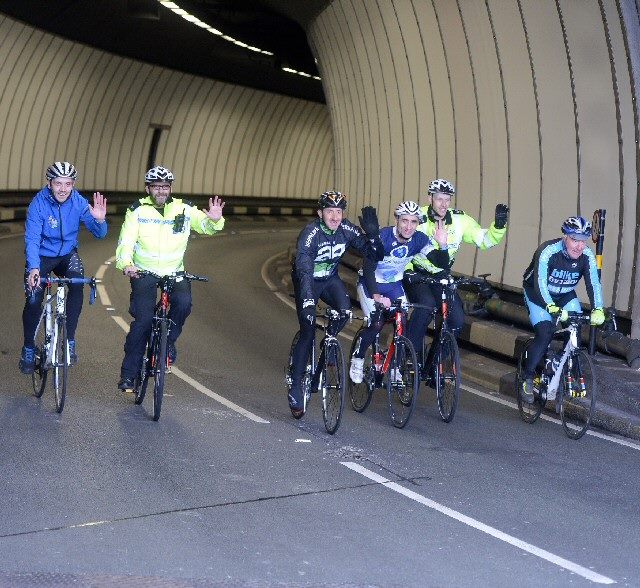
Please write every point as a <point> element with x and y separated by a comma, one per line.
<point>61,281</point>
<point>174,277</point>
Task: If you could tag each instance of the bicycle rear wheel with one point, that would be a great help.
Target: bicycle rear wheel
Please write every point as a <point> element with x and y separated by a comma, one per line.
<point>447,375</point>
<point>160,370</point>
<point>142,379</point>
<point>41,370</point>
<point>579,391</point>
<point>403,382</point>
<point>360,394</point>
<point>60,363</point>
<point>529,412</point>
<point>332,384</point>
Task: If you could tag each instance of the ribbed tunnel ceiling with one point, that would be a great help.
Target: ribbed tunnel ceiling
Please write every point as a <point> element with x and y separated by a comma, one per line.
<point>145,30</point>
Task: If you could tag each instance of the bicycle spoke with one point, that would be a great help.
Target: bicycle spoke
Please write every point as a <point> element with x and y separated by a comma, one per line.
<point>403,381</point>
<point>447,376</point>
<point>332,385</point>
<point>578,387</point>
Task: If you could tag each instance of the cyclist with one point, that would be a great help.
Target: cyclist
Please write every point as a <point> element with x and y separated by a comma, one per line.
<point>51,245</point>
<point>549,289</point>
<point>154,238</point>
<point>320,246</point>
<point>450,228</point>
<point>381,282</point>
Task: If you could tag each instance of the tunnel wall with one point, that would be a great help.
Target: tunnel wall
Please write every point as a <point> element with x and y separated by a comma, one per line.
<point>528,102</point>
<point>60,100</point>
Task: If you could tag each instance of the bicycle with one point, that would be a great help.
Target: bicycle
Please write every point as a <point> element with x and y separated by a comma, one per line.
<point>327,375</point>
<point>398,363</point>
<point>441,369</point>
<point>567,377</point>
<point>155,361</point>
<point>51,343</point>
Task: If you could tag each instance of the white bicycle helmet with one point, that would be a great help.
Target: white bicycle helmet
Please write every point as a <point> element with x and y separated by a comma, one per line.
<point>61,169</point>
<point>408,207</point>
<point>442,186</point>
<point>577,227</point>
<point>158,174</point>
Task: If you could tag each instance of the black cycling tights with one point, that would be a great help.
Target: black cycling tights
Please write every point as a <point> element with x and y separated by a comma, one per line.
<point>543,335</point>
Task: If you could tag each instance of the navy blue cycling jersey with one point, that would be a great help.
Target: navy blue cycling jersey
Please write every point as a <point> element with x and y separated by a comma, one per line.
<point>319,251</point>
<point>552,275</point>
<point>397,254</point>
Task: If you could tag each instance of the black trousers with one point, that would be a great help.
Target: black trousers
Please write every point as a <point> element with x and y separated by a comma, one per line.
<point>430,295</point>
<point>334,293</point>
<point>142,308</point>
<point>67,266</point>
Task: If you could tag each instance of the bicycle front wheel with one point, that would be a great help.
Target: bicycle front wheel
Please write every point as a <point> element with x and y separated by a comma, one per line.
<point>360,394</point>
<point>160,370</point>
<point>403,381</point>
<point>447,376</point>
<point>579,390</point>
<point>332,385</point>
<point>529,412</point>
<point>60,362</point>
<point>41,371</point>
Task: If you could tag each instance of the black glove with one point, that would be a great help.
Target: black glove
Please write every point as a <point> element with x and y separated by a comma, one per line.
<point>369,222</point>
<point>502,215</point>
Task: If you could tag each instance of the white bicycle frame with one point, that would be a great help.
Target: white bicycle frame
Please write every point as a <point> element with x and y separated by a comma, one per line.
<point>51,325</point>
<point>572,344</point>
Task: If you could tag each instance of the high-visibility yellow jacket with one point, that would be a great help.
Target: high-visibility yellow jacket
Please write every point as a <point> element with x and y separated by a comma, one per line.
<point>460,228</point>
<point>156,241</point>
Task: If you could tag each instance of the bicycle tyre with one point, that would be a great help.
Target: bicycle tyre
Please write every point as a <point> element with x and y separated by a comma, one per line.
<point>332,385</point>
<point>447,376</point>
<point>40,372</point>
<point>160,370</point>
<point>576,412</point>
<point>402,393</point>
<point>361,394</point>
<point>529,413</point>
<point>60,363</point>
<point>142,380</point>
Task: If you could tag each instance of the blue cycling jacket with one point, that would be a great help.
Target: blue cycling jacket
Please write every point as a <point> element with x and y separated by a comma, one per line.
<point>51,228</point>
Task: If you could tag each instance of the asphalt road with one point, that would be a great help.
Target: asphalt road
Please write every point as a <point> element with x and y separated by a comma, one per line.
<point>242,494</point>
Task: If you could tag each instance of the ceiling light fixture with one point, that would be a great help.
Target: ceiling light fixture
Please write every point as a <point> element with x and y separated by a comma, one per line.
<point>196,21</point>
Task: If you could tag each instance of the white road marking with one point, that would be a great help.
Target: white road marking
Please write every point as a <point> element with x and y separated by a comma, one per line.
<point>198,386</point>
<point>510,539</point>
<point>221,399</point>
<point>104,297</point>
<point>545,417</point>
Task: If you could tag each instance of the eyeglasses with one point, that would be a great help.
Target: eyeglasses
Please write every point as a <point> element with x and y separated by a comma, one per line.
<point>160,186</point>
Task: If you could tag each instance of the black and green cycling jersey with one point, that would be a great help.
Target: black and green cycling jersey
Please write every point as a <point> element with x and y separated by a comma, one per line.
<point>461,228</point>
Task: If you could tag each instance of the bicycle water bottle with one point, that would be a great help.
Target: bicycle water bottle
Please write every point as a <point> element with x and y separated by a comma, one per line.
<point>60,299</point>
<point>551,363</point>
<point>377,361</point>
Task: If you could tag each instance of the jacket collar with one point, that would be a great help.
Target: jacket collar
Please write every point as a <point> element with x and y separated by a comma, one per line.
<point>432,217</point>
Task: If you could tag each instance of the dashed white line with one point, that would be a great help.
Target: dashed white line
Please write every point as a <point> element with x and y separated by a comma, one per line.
<point>510,539</point>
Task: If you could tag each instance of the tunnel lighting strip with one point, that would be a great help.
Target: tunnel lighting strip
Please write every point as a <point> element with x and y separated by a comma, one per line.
<point>199,23</point>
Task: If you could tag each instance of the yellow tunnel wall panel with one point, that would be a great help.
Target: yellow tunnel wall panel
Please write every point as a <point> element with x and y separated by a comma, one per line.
<point>64,100</point>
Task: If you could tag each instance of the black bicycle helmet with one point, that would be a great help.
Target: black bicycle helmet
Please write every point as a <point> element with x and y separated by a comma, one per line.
<point>332,199</point>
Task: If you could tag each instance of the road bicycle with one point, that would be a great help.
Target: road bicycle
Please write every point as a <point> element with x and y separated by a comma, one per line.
<point>327,375</point>
<point>441,368</point>
<point>398,363</point>
<point>51,342</point>
<point>155,361</point>
<point>568,377</point>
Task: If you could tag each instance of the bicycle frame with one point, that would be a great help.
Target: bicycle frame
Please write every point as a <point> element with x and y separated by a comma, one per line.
<point>332,316</point>
<point>382,365</point>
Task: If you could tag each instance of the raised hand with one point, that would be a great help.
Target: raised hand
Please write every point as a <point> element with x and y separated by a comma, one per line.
<point>369,222</point>
<point>502,215</point>
<point>99,208</point>
<point>215,208</point>
<point>440,234</point>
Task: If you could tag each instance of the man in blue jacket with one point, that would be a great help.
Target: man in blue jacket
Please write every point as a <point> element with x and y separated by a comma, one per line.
<point>51,245</point>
